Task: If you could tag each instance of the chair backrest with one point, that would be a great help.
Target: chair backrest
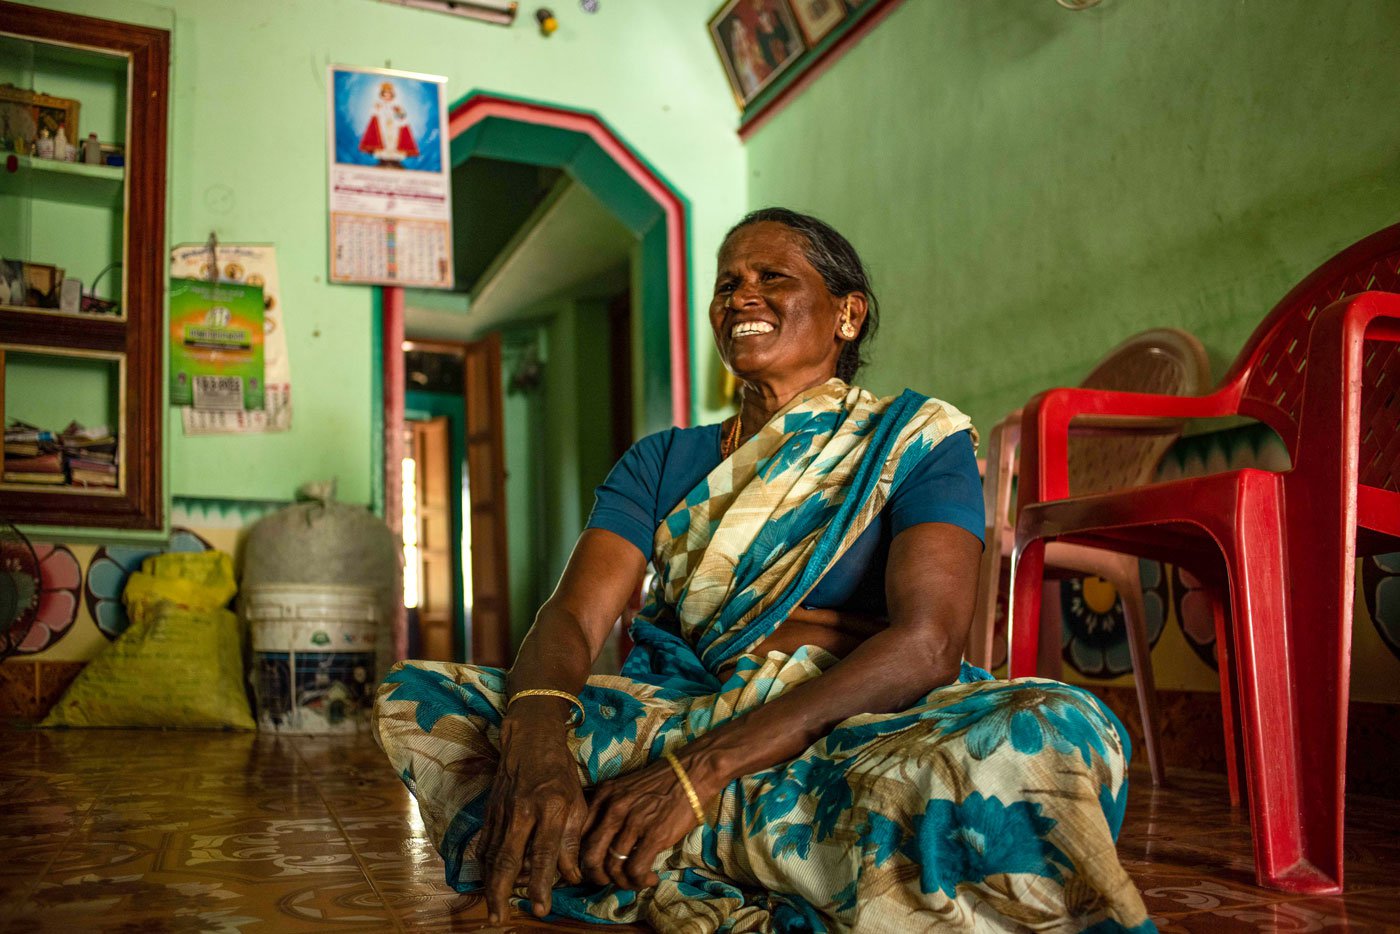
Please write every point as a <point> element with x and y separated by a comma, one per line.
<point>1164,361</point>
<point>1272,362</point>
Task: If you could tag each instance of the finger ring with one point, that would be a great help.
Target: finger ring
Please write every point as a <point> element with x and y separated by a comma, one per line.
<point>618,855</point>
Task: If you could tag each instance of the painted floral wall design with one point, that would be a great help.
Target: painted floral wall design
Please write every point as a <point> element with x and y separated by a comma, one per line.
<point>60,579</point>
<point>1193,612</point>
<point>1094,632</point>
<point>1380,583</point>
<point>113,564</point>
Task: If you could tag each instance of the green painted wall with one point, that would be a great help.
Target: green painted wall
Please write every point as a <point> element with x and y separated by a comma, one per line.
<point>90,390</point>
<point>561,486</point>
<point>1031,185</point>
<point>526,538</point>
<point>593,381</point>
<point>248,160</point>
<point>558,445</point>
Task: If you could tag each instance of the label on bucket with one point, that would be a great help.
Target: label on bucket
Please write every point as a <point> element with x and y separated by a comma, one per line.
<point>289,602</point>
<point>313,636</point>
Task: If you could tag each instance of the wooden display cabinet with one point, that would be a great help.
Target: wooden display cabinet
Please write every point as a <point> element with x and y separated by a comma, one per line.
<point>104,224</point>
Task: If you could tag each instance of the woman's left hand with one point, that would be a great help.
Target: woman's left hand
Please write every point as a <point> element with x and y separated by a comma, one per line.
<point>637,815</point>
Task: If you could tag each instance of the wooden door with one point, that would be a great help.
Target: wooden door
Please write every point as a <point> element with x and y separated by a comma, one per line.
<point>489,617</point>
<point>432,453</point>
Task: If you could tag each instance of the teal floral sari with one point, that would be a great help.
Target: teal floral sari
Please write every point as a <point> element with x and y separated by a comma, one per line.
<point>986,806</point>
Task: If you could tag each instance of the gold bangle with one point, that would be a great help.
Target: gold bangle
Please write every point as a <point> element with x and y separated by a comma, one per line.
<point>548,692</point>
<point>684,779</point>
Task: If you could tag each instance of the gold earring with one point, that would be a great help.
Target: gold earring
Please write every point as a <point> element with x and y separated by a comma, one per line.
<point>848,330</point>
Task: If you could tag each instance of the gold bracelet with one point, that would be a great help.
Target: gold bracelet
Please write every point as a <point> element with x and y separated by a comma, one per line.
<point>689,788</point>
<point>548,692</point>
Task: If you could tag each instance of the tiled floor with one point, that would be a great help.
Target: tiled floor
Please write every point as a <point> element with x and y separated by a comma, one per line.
<point>173,832</point>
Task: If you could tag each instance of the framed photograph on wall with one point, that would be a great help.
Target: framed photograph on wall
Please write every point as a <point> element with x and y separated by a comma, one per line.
<point>819,17</point>
<point>26,112</point>
<point>757,40</point>
<point>52,112</point>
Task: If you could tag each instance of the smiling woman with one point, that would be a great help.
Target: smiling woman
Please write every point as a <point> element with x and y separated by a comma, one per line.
<point>795,742</point>
<point>797,255</point>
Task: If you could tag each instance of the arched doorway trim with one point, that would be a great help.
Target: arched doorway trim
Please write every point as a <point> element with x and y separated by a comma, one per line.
<point>584,145</point>
<point>494,124</point>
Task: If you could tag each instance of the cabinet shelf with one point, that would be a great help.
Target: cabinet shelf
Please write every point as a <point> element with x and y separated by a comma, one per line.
<point>58,331</point>
<point>60,489</point>
<point>70,182</point>
<point>100,371</point>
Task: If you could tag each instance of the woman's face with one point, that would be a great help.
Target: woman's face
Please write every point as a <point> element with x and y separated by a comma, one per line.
<point>772,316</point>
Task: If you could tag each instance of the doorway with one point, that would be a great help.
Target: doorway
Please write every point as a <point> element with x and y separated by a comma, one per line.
<point>456,573</point>
<point>637,327</point>
<point>432,544</point>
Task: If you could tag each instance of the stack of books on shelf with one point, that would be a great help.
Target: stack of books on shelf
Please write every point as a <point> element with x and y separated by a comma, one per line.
<point>33,455</point>
<point>76,456</point>
<point>91,454</point>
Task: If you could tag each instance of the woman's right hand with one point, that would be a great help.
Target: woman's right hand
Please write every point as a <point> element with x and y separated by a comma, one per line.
<point>536,810</point>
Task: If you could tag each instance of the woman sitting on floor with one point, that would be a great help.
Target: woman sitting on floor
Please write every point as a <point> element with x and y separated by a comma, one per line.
<point>794,744</point>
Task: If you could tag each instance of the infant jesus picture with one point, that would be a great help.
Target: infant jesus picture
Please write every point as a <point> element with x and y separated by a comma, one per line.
<point>388,137</point>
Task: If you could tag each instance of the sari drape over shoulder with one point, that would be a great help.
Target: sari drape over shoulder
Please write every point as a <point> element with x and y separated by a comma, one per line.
<point>985,806</point>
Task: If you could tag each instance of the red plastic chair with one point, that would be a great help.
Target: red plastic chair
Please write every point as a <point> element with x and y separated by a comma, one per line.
<point>1160,360</point>
<point>1278,550</point>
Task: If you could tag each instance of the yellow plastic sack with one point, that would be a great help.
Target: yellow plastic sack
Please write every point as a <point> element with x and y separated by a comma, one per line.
<point>180,662</point>
<point>197,580</point>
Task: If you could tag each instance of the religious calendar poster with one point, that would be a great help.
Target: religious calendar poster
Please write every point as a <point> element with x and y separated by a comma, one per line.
<point>248,264</point>
<point>390,187</point>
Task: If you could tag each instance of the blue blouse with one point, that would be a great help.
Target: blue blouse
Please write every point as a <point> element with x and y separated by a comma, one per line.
<point>658,471</point>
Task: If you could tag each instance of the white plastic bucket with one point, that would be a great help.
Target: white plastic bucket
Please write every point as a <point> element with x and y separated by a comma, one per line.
<point>313,655</point>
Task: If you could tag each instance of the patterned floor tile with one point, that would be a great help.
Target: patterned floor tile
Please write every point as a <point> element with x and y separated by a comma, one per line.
<point>157,902</point>
<point>1358,913</point>
<point>43,819</point>
<point>127,831</point>
<point>1374,910</point>
<point>1171,890</point>
<point>262,849</point>
<point>108,855</point>
<point>1229,858</point>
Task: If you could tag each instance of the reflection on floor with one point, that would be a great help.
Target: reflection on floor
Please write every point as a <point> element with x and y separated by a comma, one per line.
<point>153,832</point>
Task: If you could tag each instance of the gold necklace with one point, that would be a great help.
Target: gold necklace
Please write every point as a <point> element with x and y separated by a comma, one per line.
<point>731,443</point>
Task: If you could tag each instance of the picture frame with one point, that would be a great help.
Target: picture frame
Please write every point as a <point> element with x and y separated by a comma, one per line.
<point>756,40</point>
<point>42,281</point>
<point>819,17</point>
<point>25,113</point>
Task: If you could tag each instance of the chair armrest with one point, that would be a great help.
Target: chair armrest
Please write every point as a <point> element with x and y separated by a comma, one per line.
<point>1047,422</point>
<point>1372,316</point>
<point>1330,418</point>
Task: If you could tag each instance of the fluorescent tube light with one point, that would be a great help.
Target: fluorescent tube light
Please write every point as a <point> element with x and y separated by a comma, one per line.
<point>501,12</point>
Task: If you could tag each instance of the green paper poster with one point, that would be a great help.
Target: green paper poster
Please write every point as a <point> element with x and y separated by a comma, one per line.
<point>216,344</point>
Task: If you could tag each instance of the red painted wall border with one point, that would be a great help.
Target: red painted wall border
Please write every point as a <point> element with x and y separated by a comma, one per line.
<point>478,107</point>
